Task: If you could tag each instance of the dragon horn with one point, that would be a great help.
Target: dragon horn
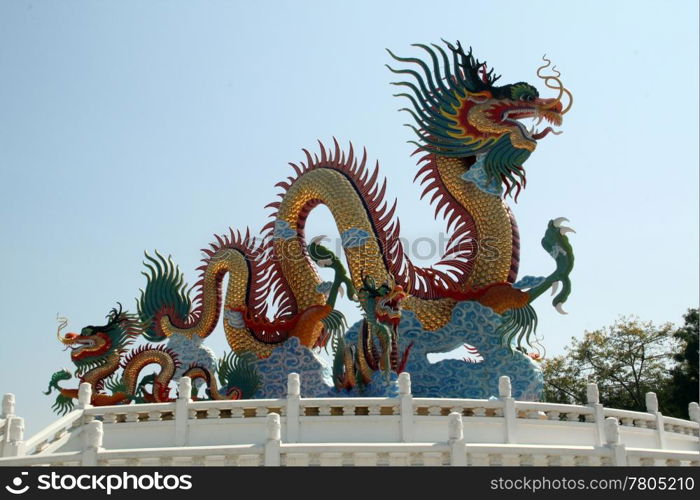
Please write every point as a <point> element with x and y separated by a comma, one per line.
<point>559,85</point>
<point>544,66</point>
<point>62,323</point>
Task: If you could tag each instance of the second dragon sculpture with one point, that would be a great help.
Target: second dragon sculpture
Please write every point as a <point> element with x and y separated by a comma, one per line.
<point>472,146</point>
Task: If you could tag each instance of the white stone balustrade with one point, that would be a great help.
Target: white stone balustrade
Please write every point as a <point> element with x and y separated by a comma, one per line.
<point>400,431</point>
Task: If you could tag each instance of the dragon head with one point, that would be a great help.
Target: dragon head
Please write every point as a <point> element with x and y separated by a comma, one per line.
<point>460,111</point>
<point>382,304</point>
<point>94,344</point>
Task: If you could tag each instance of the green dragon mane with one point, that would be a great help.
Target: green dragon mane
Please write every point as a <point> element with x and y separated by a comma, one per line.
<point>166,291</point>
<point>438,94</point>
<point>239,370</point>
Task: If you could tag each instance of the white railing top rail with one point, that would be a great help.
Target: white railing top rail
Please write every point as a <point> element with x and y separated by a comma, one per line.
<point>465,403</point>
<point>53,458</point>
<point>636,415</point>
<point>663,454</point>
<point>363,447</point>
<point>363,402</point>
<point>236,403</point>
<point>189,451</point>
<point>558,407</point>
<point>52,431</point>
<point>95,411</point>
<point>681,422</point>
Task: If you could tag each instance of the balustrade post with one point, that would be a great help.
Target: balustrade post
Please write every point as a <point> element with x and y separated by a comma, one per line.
<point>14,437</point>
<point>694,414</point>
<point>274,438</point>
<point>612,440</point>
<point>293,407</point>
<point>653,407</point>
<point>406,407</point>
<point>509,414</point>
<point>184,391</point>
<point>84,396</point>
<point>8,405</point>
<point>593,400</point>
<point>455,434</point>
<point>92,442</point>
<point>7,411</point>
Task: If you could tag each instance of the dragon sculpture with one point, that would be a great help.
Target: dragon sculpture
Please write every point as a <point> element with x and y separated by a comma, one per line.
<point>99,351</point>
<point>472,147</point>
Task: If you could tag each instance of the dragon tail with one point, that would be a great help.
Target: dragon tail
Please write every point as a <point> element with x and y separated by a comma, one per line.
<point>55,379</point>
<point>63,404</point>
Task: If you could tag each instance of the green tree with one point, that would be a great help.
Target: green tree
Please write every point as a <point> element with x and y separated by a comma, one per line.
<point>684,384</point>
<point>626,360</point>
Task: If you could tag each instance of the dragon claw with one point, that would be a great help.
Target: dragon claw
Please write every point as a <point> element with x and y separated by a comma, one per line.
<point>562,229</point>
<point>559,308</point>
<point>555,287</point>
<point>317,239</point>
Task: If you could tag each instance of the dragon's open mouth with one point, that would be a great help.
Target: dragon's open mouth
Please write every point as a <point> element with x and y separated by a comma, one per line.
<point>81,346</point>
<point>389,306</point>
<point>75,343</point>
<point>537,114</point>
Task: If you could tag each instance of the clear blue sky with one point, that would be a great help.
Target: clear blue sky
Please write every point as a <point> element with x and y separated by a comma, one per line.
<point>130,126</point>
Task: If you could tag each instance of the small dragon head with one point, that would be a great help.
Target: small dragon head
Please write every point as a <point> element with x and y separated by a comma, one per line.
<point>382,304</point>
<point>94,344</point>
<point>321,255</point>
<point>460,111</point>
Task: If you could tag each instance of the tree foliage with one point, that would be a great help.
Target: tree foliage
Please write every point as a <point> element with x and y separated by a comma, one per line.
<point>684,376</point>
<point>627,360</point>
